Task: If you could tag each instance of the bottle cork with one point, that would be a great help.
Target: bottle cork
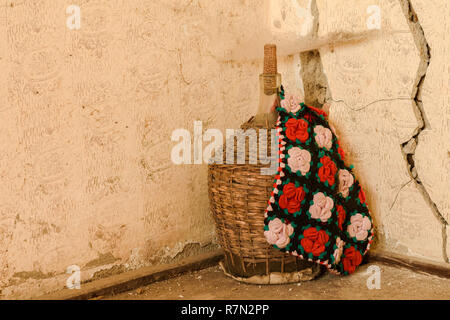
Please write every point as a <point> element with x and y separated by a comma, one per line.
<point>270,74</point>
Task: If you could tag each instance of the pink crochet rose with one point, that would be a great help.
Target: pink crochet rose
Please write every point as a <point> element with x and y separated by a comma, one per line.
<point>338,252</point>
<point>279,233</point>
<point>359,227</point>
<point>321,209</point>
<point>299,159</point>
<point>323,137</point>
<point>345,182</point>
<point>291,103</point>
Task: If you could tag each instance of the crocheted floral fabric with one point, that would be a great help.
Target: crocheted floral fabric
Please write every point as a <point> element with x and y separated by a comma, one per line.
<point>317,210</point>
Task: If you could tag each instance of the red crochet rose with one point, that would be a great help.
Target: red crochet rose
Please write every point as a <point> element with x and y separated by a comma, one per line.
<point>341,215</point>
<point>314,241</point>
<point>291,198</point>
<point>352,259</point>
<point>362,196</point>
<point>327,171</point>
<point>297,129</point>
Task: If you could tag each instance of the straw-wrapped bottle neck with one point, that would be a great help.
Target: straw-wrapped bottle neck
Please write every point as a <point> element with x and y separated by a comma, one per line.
<point>270,59</point>
<point>269,80</point>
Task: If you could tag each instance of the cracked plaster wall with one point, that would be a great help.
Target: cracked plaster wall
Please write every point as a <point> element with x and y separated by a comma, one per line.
<point>389,101</point>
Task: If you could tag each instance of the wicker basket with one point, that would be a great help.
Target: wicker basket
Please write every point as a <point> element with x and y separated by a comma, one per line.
<point>238,198</point>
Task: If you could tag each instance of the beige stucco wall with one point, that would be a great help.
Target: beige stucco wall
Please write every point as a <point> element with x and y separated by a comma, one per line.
<point>86,118</point>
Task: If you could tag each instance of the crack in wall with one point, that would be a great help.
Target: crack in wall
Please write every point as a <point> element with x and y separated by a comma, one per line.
<point>370,103</point>
<point>409,147</point>
<point>397,194</point>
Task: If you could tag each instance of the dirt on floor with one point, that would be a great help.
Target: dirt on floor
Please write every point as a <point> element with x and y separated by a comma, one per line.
<point>212,284</point>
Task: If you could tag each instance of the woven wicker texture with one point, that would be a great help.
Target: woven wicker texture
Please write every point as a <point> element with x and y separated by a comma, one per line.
<point>270,59</point>
<point>238,198</point>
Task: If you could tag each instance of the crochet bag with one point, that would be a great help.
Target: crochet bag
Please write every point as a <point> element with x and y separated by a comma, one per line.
<point>317,210</point>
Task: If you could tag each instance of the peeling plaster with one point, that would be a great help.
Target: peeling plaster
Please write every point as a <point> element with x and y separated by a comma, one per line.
<point>180,251</point>
<point>103,259</point>
<point>32,275</point>
<point>409,147</point>
<point>107,272</point>
<point>164,256</point>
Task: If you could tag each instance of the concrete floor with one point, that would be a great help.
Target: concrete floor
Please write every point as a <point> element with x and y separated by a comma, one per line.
<point>211,283</point>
